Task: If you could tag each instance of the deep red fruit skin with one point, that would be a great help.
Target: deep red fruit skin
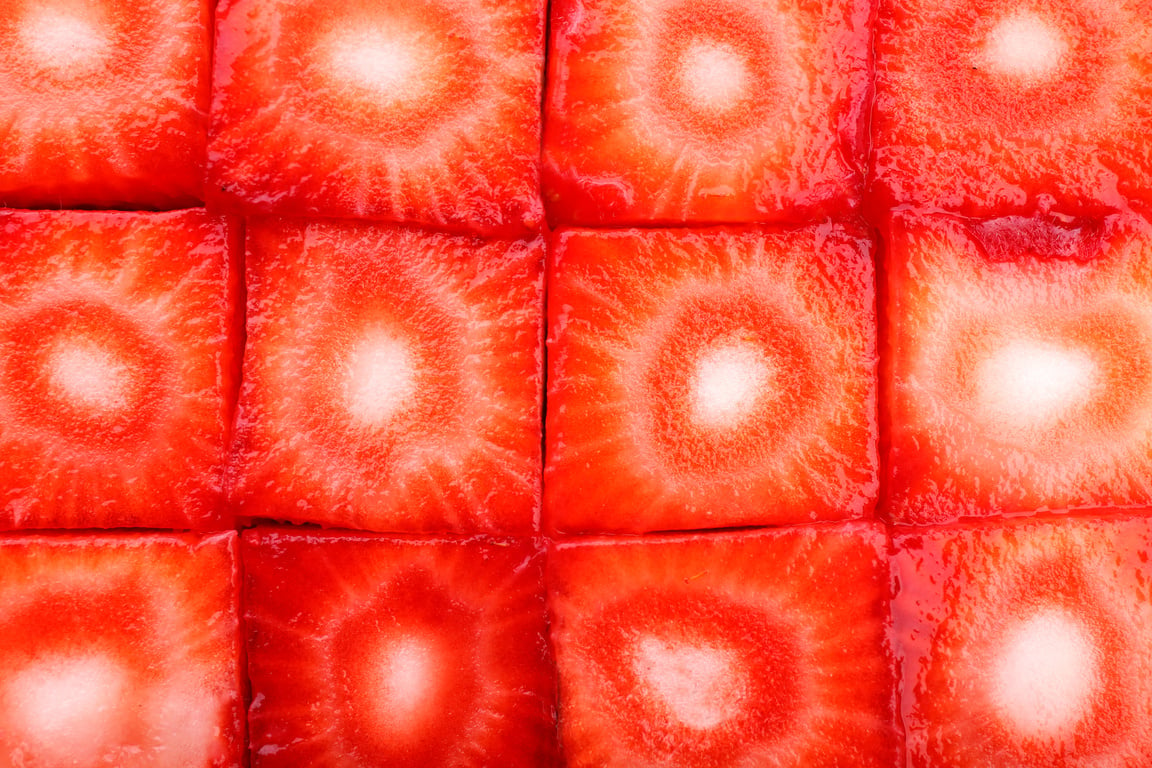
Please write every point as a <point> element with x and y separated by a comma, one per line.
<point>295,133</point>
<point>128,131</point>
<point>635,314</point>
<point>161,608</point>
<point>964,589</point>
<point>953,133</point>
<point>798,618</point>
<point>626,141</point>
<point>325,608</point>
<point>158,293</point>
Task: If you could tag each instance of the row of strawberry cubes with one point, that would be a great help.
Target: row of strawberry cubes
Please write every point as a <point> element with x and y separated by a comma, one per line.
<point>706,111</point>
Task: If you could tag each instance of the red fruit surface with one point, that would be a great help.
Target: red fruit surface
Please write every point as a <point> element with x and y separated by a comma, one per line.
<point>119,356</point>
<point>1026,644</point>
<point>735,650</point>
<point>705,110</point>
<point>710,378</point>
<point>425,111</point>
<point>368,651</point>
<point>1020,366</point>
<point>992,106</point>
<point>392,379</point>
<point>120,650</point>
<point>103,103</point>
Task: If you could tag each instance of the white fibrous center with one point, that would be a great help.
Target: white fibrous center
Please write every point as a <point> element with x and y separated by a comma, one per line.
<point>727,383</point>
<point>1028,385</point>
<point>393,66</point>
<point>1045,675</point>
<point>713,77</point>
<point>62,41</point>
<point>407,681</point>
<point>379,379</point>
<point>699,685</point>
<point>86,376</point>
<point>1025,46</point>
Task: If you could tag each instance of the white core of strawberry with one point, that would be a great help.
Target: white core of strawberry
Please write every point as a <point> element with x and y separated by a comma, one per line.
<point>86,376</point>
<point>1025,46</point>
<point>60,40</point>
<point>699,685</point>
<point>393,66</point>
<point>713,77</point>
<point>1045,675</point>
<point>1027,385</point>
<point>379,379</point>
<point>407,681</point>
<point>727,383</point>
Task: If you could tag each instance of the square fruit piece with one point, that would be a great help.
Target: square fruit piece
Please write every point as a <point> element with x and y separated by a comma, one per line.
<point>425,110</point>
<point>710,378</point>
<point>751,649</point>
<point>370,652</point>
<point>1020,366</point>
<point>990,107</point>
<point>1026,644</point>
<point>104,103</point>
<point>119,362</point>
<point>392,379</point>
<point>120,650</point>
<point>706,111</point>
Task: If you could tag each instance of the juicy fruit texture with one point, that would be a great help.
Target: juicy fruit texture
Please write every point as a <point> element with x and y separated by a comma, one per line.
<point>422,111</point>
<point>1026,644</point>
<point>710,378</point>
<point>118,365</point>
<point>392,379</point>
<point>988,108</point>
<point>120,650</point>
<point>1020,366</point>
<point>103,104</point>
<point>370,651</point>
<point>733,650</point>
<point>705,110</point>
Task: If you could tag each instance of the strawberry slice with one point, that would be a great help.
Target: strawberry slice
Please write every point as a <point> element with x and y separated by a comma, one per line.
<point>103,104</point>
<point>705,110</point>
<point>373,651</point>
<point>118,366</point>
<point>120,650</point>
<point>392,379</point>
<point>425,111</point>
<point>710,378</point>
<point>1021,366</point>
<point>1025,644</point>
<point>998,106</point>
<point>700,651</point>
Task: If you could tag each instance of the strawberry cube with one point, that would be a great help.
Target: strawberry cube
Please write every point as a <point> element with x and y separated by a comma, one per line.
<point>996,107</point>
<point>710,378</point>
<point>764,648</point>
<point>120,650</point>
<point>706,111</point>
<point>1020,366</point>
<point>103,103</point>
<point>392,379</point>
<point>424,111</point>
<point>1026,644</point>
<point>372,651</point>
<point>119,359</point>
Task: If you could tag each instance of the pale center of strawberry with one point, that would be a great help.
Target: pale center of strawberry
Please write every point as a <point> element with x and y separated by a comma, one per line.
<point>393,65</point>
<point>59,39</point>
<point>407,681</point>
<point>1028,385</point>
<point>714,77</point>
<point>88,377</point>
<point>699,685</point>
<point>379,380</point>
<point>1024,46</point>
<point>727,383</point>
<point>1045,675</point>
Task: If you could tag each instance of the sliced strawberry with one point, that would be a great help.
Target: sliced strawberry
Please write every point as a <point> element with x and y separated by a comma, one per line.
<point>103,104</point>
<point>372,651</point>
<point>763,648</point>
<point>120,650</point>
<point>392,379</point>
<point>1026,644</point>
<point>710,378</point>
<point>705,110</point>
<point>997,106</point>
<point>1021,366</point>
<point>118,366</point>
<point>424,111</point>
